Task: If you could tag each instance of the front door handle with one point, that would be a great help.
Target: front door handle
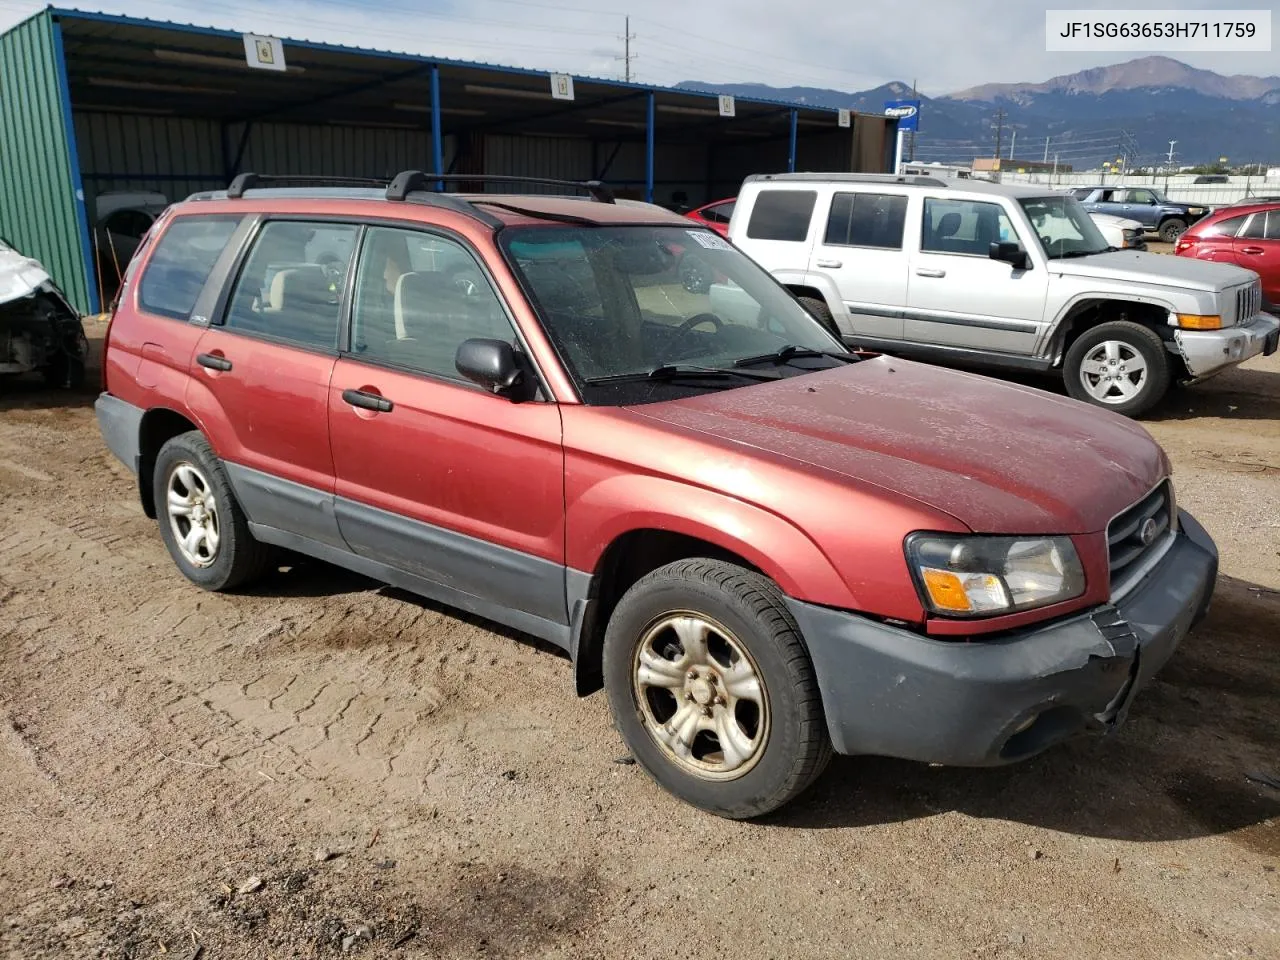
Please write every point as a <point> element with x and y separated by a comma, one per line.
<point>829,264</point>
<point>213,361</point>
<point>927,272</point>
<point>367,401</point>
<point>1253,251</point>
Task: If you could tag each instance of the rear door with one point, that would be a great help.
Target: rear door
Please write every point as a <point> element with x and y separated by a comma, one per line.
<point>860,247</point>
<point>435,475</point>
<point>1257,247</point>
<point>260,376</point>
<point>958,296</point>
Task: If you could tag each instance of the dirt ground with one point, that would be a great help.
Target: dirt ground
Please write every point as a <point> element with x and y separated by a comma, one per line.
<point>323,766</point>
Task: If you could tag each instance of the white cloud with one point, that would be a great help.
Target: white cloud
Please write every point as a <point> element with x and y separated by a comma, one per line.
<point>944,44</point>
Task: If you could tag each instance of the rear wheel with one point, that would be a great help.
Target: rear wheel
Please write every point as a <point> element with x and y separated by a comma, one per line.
<point>710,685</point>
<point>1120,365</point>
<point>1172,229</point>
<point>202,525</point>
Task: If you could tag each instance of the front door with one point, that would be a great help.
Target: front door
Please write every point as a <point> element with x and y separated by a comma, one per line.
<point>958,296</point>
<point>260,376</point>
<point>859,246</point>
<point>436,476</point>
<point>1140,205</point>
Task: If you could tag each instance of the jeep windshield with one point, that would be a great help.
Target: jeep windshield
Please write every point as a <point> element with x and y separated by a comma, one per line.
<point>1063,227</point>
<point>641,313</point>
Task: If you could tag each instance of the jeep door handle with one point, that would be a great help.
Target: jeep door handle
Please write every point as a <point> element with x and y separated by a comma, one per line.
<point>829,264</point>
<point>927,272</point>
<point>212,361</point>
<point>1253,251</point>
<point>367,401</point>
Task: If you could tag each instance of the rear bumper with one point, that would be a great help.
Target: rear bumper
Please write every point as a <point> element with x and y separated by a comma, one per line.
<point>1211,351</point>
<point>891,692</point>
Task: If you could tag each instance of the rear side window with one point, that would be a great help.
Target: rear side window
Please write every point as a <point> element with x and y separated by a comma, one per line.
<point>782,215</point>
<point>182,262</point>
<point>1265,225</point>
<point>720,213</point>
<point>867,220</point>
<point>292,283</point>
<point>1223,228</point>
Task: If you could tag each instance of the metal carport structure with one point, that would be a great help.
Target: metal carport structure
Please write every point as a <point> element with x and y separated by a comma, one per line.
<point>95,102</point>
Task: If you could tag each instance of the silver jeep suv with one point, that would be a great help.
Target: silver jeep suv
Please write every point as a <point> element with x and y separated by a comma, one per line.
<point>998,275</point>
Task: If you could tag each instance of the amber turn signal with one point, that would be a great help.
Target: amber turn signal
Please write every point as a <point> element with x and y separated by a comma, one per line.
<point>1197,321</point>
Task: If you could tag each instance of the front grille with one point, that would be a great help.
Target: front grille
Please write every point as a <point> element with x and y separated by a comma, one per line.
<point>1248,302</point>
<point>1131,540</point>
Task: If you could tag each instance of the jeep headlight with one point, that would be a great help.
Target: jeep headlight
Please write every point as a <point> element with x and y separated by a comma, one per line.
<point>979,576</point>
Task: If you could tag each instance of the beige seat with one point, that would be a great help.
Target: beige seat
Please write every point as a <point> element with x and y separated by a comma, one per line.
<point>300,287</point>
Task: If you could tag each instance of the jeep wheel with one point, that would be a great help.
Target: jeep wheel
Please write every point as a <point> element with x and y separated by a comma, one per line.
<point>1120,365</point>
<point>1172,229</point>
<point>694,276</point>
<point>711,687</point>
<point>202,525</point>
<point>822,313</point>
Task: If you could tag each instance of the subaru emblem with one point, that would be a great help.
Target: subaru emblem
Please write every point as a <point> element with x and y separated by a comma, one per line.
<point>1148,531</point>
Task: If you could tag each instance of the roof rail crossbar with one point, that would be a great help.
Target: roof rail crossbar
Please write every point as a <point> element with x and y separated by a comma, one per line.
<point>248,181</point>
<point>408,181</point>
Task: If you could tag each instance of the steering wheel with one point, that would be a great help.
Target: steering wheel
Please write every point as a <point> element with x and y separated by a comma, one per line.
<point>697,319</point>
<point>465,284</point>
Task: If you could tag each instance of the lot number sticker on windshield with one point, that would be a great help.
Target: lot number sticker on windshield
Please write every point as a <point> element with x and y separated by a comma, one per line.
<point>711,241</point>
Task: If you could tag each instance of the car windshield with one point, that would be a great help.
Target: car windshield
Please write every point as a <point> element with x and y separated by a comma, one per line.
<point>641,313</point>
<point>1063,227</point>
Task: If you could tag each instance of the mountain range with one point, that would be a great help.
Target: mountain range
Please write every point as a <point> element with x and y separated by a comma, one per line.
<point>1134,108</point>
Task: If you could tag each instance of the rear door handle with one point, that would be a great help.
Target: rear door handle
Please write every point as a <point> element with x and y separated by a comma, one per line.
<point>927,272</point>
<point>367,401</point>
<point>1253,251</point>
<point>213,362</point>
<point>829,264</point>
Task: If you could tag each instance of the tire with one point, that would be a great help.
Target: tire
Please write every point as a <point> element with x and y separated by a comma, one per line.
<point>1172,229</point>
<point>1123,342</point>
<point>749,633</point>
<point>822,313</point>
<point>694,276</point>
<point>66,370</point>
<point>236,557</point>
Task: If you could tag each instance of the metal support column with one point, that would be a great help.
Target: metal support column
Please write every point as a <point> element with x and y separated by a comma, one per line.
<point>77,184</point>
<point>437,133</point>
<point>648,152</point>
<point>791,155</point>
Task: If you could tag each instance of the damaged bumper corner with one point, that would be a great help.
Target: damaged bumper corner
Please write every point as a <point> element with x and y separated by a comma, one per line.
<point>1207,352</point>
<point>39,330</point>
<point>891,692</point>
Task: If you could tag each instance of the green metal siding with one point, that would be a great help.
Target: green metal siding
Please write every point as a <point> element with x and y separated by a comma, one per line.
<point>39,210</point>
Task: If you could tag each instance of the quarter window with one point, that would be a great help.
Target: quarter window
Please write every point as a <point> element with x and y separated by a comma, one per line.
<point>182,262</point>
<point>720,213</point>
<point>1223,228</point>
<point>417,298</point>
<point>966,227</point>
<point>291,286</point>
<point>867,220</point>
<point>782,215</point>
<point>1265,225</point>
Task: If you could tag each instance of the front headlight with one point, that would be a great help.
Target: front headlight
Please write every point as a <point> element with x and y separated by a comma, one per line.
<point>987,576</point>
<point>1195,209</point>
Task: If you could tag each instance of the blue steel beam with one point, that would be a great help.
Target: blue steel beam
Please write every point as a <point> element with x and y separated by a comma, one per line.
<point>437,130</point>
<point>73,161</point>
<point>648,151</point>
<point>791,153</point>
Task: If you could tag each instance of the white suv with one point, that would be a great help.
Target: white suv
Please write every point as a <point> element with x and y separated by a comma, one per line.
<point>998,275</point>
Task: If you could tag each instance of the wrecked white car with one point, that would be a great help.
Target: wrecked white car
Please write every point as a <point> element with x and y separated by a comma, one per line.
<point>40,331</point>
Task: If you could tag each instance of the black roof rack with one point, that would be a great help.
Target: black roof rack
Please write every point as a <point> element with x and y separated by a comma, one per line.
<point>913,180</point>
<point>408,181</point>
<point>247,181</point>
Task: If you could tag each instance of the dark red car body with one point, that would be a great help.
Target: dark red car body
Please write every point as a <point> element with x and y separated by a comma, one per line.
<point>1248,235</point>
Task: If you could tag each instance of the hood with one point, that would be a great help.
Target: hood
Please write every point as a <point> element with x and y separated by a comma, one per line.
<point>998,457</point>
<point>19,276</point>
<point>1122,222</point>
<point>1135,266</point>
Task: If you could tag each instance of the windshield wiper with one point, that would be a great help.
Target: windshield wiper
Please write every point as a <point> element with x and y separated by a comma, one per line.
<point>793,352</point>
<point>684,371</point>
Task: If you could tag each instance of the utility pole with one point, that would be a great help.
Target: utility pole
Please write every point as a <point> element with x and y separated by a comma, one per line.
<point>1000,115</point>
<point>1169,166</point>
<point>626,39</point>
<point>1013,142</point>
<point>1046,149</point>
<point>911,150</point>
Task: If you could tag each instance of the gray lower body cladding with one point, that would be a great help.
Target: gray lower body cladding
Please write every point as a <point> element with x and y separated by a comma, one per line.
<point>891,692</point>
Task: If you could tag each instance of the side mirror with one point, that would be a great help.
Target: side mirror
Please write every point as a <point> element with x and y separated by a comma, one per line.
<point>1010,253</point>
<point>490,363</point>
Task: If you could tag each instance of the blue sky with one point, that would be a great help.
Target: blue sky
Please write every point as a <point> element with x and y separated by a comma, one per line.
<point>946,44</point>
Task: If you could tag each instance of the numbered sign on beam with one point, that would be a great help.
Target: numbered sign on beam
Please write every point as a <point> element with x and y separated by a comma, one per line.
<point>561,86</point>
<point>726,105</point>
<point>844,119</point>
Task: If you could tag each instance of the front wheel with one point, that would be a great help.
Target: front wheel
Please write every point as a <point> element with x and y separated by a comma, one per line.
<point>711,687</point>
<point>1120,365</point>
<point>1172,229</point>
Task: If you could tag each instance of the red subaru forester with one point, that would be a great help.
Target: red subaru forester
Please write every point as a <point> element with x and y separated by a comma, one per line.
<point>761,545</point>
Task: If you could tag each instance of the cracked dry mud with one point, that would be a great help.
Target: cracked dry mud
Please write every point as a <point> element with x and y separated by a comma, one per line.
<point>159,746</point>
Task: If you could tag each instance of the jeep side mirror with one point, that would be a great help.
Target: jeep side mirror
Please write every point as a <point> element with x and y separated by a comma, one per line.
<point>1010,253</point>
<point>490,363</point>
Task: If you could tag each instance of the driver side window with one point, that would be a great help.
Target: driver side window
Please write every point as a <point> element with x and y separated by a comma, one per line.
<point>418,296</point>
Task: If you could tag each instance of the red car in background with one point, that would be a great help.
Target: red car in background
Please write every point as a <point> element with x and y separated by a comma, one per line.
<point>715,215</point>
<point>1247,234</point>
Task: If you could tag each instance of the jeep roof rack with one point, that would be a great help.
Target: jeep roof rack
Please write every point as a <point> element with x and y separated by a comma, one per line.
<point>919,181</point>
<point>408,181</point>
